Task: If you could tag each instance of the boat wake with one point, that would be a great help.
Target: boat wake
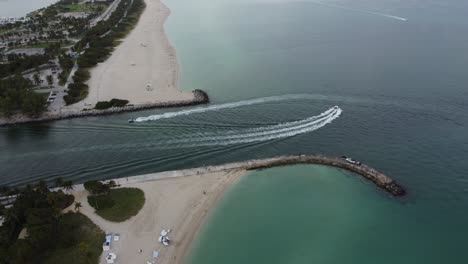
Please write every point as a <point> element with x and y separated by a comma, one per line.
<point>358,10</point>
<point>212,138</point>
<point>227,106</point>
<point>259,134</point>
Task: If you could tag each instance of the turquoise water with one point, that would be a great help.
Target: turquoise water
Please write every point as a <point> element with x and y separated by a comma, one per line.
<point>316,214</point>
<point>402,86</point>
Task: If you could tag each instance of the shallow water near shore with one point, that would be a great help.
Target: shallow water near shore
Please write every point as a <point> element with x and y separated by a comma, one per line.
<point>317,214</point>
<point>401,86</point>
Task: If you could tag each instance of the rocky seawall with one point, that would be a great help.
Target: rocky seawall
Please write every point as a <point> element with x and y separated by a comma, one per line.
<point>200,97</point>
<point>377,177</point>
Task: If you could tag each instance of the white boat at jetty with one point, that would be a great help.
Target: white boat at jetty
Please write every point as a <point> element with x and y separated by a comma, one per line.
<point>350,160</point>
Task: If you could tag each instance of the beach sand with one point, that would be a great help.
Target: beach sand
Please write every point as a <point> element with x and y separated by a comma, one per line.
<point>177,203</point>
<point>145,57</point>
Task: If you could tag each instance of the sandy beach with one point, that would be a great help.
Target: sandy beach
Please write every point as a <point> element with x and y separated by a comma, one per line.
<point>142,69</point>
<point>178,203</point>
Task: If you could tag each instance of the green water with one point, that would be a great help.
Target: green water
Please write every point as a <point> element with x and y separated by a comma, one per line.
<point>402,86</point>
<point>317,214</point>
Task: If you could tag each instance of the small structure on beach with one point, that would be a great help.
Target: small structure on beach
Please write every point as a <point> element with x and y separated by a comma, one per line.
<point>107,243</point>
<point>111,257</point>
<point>163,238</point>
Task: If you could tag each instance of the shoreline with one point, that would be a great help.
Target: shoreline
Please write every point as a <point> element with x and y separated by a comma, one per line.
<point>180,204</point>
<point>200,97</point>
<point>142,69</point>
<point>153,61</point>
<point>181,200</point>
<point>381,180</point>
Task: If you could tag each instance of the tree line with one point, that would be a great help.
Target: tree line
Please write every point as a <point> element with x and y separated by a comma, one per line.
<point>18,63</point>
<point>16,95</point>
<point>38,209</point>
<point>99,42</point>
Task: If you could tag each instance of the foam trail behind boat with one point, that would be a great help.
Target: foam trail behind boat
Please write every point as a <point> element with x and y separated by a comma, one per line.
<point>260,134</point>
<point>358,10</point>
<point>219,138</point>
<point>223,106</point>
<point>273,134</point>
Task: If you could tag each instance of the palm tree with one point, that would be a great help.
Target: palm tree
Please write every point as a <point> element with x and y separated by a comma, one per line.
<point>68,185</point>
<point>58,182</point>
<point>42,186</point>
<point>77,206</point>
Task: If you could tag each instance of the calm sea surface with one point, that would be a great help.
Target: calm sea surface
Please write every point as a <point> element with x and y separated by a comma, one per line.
<point>403,88</point>
<point>315,214</point>
<point>19,8</point>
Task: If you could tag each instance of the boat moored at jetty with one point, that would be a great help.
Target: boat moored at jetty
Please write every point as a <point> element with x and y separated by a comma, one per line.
<point>350,160</point>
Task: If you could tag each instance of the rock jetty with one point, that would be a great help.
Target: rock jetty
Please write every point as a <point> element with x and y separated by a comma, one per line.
<point>200,97</point>
<point>380,179</point>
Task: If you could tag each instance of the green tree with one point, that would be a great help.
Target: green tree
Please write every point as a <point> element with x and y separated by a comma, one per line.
<point>84,249</point>
<point>37,78</point>
<point>77,206</point>
<point>68,185</point>
<point>58,182</point>
<point>7,106</point>
<point>33,104</point>
<point>50,79</point>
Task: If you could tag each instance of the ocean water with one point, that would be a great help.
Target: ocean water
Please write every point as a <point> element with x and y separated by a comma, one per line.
<point>402,88</point>
<point>315,214</point>
<point>19,8</point>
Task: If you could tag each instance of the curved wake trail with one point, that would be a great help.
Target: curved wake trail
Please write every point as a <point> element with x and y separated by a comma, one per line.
<point>260,134</point>
<point>224,106</point>
<point>221,138</point>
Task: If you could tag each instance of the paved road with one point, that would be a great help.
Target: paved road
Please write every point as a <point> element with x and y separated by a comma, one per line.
<point>59,103</point>
<point>106,14</point>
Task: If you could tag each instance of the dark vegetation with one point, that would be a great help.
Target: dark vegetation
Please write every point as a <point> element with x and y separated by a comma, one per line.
<point>66,62</point>
<point>16,95</point>
<point>97,187</point>
<point>52,237</point>
<point>19,63</point>
<point>112,103</point>
<point>118,204</point>
<point>115,205</point>
<point>99,42</point>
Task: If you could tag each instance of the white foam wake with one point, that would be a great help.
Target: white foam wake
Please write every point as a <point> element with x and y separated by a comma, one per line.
<point>224,106</point>
<point>219,138</point>
<point>261,134</point>
<point>358,10</point>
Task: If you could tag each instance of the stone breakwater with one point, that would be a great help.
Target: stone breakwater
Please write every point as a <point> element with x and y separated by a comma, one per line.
<point>200,97</point>
<point>380,179</point>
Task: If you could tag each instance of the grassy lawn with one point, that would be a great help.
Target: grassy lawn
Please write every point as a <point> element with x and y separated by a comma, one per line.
<point>119,205</point>
<point>79,241</point>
